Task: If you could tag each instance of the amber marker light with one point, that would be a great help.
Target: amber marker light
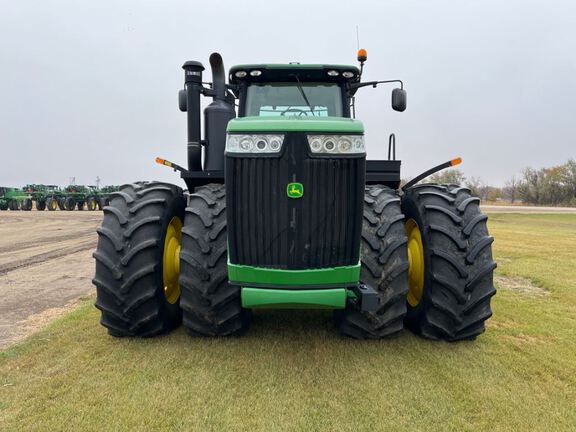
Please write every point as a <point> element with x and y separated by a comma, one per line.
<point>163,162</point>
<point>456,161</point>
<point>362,55</point>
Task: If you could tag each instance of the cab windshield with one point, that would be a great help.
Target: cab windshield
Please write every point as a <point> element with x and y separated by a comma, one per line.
<point>294,99</point>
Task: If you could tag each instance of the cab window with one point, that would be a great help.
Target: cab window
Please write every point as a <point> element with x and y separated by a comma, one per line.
<point>291,99</point>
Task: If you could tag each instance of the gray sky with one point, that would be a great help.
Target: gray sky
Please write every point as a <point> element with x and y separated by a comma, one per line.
<point>90,88</point>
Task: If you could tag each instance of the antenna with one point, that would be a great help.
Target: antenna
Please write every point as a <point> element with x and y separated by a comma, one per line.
<point>97,182</point>
<point>357,38</point>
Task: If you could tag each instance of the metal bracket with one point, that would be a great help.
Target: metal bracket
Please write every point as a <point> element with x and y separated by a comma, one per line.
<point>368,297</point>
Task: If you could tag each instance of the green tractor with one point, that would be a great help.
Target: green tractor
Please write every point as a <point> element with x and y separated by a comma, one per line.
<point>79,197</point>
<point>286,212</point>
<point>54,198</point>
<point>40,194</point>
<point>14,199</point>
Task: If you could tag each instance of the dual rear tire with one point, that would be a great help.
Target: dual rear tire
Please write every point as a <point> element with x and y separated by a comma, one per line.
<point>428,255</point>
<point>157,260</point>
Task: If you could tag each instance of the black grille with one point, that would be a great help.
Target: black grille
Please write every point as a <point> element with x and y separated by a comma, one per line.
<point>268,229</point>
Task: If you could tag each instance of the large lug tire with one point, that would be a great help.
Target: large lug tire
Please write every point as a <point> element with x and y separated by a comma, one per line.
<point>91,204</point>
<point>210,306</point>
<point>454,301</point>
<point>14,205</point>
<point>4,205</point>
<point>80,205</point>
<point>61,203</point>
<point>384,263</point>
<point>130,256</point>
<point>41,205</point>
<point>103,202</point>
<point>69,203</point>
<point>52,204</point>
<point>27,204</point>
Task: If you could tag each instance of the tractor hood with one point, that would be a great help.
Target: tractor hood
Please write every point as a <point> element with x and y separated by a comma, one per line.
<point>296,124</point>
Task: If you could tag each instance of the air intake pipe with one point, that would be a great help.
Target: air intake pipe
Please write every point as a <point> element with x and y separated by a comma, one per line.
<point>216,117</point>
<point>189,101</point>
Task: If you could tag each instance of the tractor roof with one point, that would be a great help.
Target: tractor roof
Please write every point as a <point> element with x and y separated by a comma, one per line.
<point>286,72</point>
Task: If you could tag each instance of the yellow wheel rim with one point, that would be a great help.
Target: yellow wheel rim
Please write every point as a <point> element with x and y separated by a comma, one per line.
<point>416,263</point>
<point>53,205</point>
<point>171,260</point>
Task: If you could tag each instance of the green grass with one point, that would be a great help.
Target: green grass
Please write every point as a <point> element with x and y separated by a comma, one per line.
<point>293,372</point>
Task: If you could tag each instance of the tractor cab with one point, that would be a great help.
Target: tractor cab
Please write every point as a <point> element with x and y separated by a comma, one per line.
<point>293,90</point>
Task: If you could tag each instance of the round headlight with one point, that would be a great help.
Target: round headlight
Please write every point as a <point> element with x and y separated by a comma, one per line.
<point>333,73</point>
<point>359,144</point>
<point>316,145</point>
<point>329,145</point>
<point>261,144</point>
<point>256,72</point>
<point>246,144</point>
<point>344,145</point>
<point>275,144</point>
<point>348,74</point>
<point>240,74</point>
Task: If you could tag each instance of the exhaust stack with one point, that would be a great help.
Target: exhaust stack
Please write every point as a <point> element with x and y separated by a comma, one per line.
<point>216,117</point>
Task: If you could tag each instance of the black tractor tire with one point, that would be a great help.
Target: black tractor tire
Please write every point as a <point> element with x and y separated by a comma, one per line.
<point>52,204</point>
<point>27,204</point>
<point>458,264</point>
<point>14,205</point>
<point>41,205</point>
<point>103,202</point>
<point>4,205</point>
<point>80,205</point>
<point>61,203</point>
<point>69,203</point>
<point>129,260</point>
<point>91,204</point>
<point>210,306</point>
<point>384,266</point>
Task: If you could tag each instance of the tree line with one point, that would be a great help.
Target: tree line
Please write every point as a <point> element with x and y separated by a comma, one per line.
<point>545,186</point>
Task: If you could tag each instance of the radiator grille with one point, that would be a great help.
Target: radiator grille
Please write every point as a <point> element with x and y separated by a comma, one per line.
<point>268,229</point>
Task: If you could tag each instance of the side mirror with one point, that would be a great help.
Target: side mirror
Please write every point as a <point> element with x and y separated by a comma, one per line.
<point>398,99</point>
<point>182,104</point>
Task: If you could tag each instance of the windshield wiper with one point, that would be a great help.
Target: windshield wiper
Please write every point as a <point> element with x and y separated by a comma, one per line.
<point>304,95</point>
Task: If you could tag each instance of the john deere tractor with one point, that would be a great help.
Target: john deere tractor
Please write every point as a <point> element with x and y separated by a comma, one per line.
<point>283,210</point>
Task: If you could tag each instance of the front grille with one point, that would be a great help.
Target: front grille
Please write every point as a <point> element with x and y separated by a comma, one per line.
<point>268,229</point>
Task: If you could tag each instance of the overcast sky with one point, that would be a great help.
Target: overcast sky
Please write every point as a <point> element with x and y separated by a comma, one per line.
<point>90,88</point>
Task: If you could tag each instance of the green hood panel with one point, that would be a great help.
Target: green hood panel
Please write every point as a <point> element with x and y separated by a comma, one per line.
<point>295,124</point>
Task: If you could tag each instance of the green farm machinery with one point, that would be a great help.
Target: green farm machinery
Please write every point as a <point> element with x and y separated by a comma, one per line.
<point>14,199</point>
<point>284,211</point>
<point>40,194</point>
<point>89,197</point>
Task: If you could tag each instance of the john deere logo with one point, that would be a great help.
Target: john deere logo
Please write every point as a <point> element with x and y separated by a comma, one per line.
<point>295,190</point>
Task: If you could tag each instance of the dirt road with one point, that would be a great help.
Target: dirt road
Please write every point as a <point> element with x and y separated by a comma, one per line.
<point>45,267</point>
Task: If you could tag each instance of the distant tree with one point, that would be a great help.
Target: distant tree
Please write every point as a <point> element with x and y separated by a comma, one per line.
<point>476,186</point>
<point>493,193</point>
<point>449,176</point>
<point>571,180</point>
<point>530,188</point>
<point>510,190</point>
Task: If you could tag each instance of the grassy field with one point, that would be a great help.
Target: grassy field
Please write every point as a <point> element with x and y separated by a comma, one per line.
<point>293,372</point>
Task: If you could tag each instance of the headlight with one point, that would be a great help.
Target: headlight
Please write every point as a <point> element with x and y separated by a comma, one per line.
<point>336,144</point>
<point>236,143</point>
